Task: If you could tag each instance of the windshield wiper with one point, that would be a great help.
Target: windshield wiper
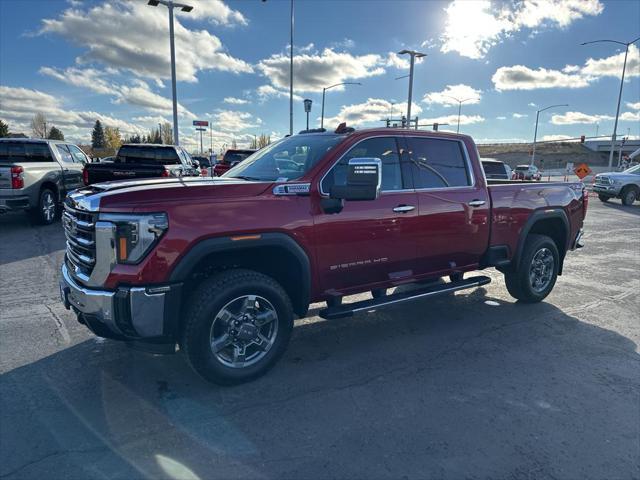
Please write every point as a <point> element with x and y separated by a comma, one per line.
<point>250,179</point>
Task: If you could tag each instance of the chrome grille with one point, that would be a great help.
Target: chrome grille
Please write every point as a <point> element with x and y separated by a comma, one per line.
<point>80,232</point>
<point>603,180</point>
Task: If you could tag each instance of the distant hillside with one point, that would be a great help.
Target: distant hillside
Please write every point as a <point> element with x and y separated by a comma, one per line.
<point>555,155</point>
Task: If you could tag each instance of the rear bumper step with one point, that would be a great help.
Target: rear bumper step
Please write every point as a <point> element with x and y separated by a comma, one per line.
<point>349,309</point>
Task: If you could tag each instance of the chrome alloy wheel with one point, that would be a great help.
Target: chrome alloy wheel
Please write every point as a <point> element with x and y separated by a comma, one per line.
<point>243,331</point>
<point>48,207</point>
<point>541,270</point>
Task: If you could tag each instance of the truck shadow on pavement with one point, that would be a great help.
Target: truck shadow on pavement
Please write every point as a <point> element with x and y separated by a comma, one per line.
<point>631,209</point>
<point>451,388</point>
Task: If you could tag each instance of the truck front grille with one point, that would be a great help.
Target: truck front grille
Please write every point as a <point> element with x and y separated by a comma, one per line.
<point>603,181</point>
<point>80,232</point>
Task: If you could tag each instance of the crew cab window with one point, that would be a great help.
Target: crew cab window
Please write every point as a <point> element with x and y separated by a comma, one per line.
<point>25,152</point>
<point>438,163</point>
<point>65,154</point>
<point>77,154</point>
<point>384,148</point>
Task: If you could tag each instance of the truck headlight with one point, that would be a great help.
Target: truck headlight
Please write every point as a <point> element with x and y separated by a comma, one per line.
<point>135,235</point>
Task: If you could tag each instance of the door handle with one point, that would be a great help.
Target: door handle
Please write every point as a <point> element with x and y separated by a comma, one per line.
<point>476,203</point>
<point>403,208</point>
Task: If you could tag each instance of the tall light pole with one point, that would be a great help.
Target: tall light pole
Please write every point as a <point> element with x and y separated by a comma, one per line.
<point>413,55</point>
<point>291,76</point>
<point>324,90</point>
<point>624,67</point>
<point>460,102</point>
<point>170,4</point>
<point>535,133</point>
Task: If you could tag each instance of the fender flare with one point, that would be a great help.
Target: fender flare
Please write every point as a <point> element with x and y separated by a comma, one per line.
<point>208,246</point>
<point>536,216</point>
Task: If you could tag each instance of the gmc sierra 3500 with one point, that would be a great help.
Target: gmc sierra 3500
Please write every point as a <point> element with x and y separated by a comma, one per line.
<point>219,266</point>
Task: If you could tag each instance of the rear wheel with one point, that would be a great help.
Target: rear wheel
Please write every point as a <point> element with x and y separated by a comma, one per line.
<point>629,195</point>
<point>537,272</point>
<point>603,198</point>
<point>238,326</point>
<point>379,292</point>
<point>46,211</point>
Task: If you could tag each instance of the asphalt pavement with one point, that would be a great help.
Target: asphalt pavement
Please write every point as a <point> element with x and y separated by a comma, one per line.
<point>471,385</point>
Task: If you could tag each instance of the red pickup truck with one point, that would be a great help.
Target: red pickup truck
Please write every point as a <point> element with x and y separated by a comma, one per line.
<point>313,217</point>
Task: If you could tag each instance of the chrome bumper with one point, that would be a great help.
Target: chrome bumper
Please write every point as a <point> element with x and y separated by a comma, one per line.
<point>125,314</point>
<point>606,189</point>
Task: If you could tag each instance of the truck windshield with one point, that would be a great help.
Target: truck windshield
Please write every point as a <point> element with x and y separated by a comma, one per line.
<point>634,170</point>
<point>286,159</point>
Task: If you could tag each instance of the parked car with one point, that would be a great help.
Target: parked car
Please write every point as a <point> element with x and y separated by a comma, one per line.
<point>495,169</point>
<point>230,159</point>
<point>527,172</point>
<point>205,165</point>
<point>142,160</point>
<point>359,216</point>
<point>624,185</point>
<point>35,175</point>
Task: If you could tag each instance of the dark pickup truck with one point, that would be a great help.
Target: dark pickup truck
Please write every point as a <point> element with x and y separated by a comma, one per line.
<point>230,159</point>
<point>220,266</point>
<point>141,160</point>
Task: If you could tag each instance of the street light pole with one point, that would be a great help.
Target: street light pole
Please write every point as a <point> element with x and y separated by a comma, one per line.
<point>413,55</point>
<point>170,4</point>
<point>291,76</point>
<point>324,90</point>
<point>460,102</point>
<point>624,67</point>
<point>535,132</point>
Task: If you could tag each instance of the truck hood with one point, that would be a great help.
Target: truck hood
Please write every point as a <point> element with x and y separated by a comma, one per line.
<point>125,196</point>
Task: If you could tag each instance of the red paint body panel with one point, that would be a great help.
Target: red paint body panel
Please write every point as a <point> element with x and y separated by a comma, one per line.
<point>365,246</point>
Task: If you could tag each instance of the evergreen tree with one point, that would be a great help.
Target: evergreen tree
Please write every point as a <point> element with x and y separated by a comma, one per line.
<point>4,129</point>
<point>97,136</point>
<point>55,134</point>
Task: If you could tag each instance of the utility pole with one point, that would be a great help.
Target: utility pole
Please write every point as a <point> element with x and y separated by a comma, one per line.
<point>413,55</point>
<point>624,67</point>
<point>170,4</point>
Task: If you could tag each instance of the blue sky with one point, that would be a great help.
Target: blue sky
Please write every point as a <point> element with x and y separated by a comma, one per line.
<point>77,61</point>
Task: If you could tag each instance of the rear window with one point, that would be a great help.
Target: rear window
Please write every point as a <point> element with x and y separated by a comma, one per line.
<point>25,152</point>
<point>232,157</point>
<point>493,168</point>
<point>522,169</point>
<point>147,155</point>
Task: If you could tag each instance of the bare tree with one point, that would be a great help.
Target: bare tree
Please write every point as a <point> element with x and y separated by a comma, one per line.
<point>39,125</point>
<point>166,133</point>
<point>263,141</point>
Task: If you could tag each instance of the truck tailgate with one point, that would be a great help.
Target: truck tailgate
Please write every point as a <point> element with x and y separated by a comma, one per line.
<point>105,172</point>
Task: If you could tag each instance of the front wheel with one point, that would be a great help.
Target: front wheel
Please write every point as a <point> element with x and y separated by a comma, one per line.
<point>629,195</point>
<point>238,326</point>
<point>537,272</point>
<point>46,210</point>
<point>603,198</point>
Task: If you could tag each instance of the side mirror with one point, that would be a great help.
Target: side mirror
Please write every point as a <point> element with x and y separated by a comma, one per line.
<point>364,178</point>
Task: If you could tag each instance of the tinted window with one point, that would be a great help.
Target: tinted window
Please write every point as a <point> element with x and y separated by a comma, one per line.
<point>144,154</point>
<point>65,155</point>
<point>23,152</point>
<point>77,154</point>
<point>235,157</point>
<point>494,169</point>
<point>438,163</point>
<point>384,148</point>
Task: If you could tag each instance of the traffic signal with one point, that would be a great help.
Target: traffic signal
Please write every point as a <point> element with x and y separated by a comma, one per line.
<point>435,127</point>
<point>581,138</point>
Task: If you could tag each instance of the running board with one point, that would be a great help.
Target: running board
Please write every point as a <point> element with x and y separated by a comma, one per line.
<point>349,309</point>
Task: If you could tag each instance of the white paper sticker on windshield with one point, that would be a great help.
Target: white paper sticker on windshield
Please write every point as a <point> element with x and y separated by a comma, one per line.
<point>281,179</point>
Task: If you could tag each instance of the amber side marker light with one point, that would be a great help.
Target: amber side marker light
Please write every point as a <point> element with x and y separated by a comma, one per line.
<point>123,248</point>
<point>246,237</point>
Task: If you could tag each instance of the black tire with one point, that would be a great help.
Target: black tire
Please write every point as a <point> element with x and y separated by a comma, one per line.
<point>43,214</point>
<point>456,277</point>
<point>604,198</point>
<point>629,195</point>
<point>334,301</point>
<point>379,292</point>
<point>208,300</point>
<point>519,283</point>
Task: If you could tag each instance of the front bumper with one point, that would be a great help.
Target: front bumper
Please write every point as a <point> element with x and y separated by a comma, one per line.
<point>609,190</point>
<point>149,314</point>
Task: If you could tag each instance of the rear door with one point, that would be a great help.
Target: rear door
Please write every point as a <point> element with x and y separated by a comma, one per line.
<point>453,205</point>
<point>368,242</point>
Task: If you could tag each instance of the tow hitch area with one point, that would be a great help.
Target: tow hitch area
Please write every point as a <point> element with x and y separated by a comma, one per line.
<point>375,303</point>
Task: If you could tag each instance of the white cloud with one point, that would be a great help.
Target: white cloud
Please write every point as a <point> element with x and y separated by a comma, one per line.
<point>266,92</point>
<point>460,91</point>
<point>555,137</point>
<point>89,78</point>
<point>141,96</point>
<point>19,105</point>
<point>397,61</point>
<point>234,121</point>
<point>501,118</point>
<point>634,106</point>
<point>235,101</point>
<point>630,117</point>
<point>473,27</point>
<point>571,118</point>
<point>531,104</point>
<point>519,115</point>
<point>612,66</point>
<point>314,71</point>
<point>133,36</point>
<point>216,11</point>
<point>453,119</point>
<point>519,77</point>
<point>373,111</point>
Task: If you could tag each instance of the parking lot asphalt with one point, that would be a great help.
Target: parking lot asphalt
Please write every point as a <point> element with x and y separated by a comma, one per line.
<point>472,385</point>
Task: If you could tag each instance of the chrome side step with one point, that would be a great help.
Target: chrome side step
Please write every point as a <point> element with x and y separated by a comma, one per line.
<point>349,309</point>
